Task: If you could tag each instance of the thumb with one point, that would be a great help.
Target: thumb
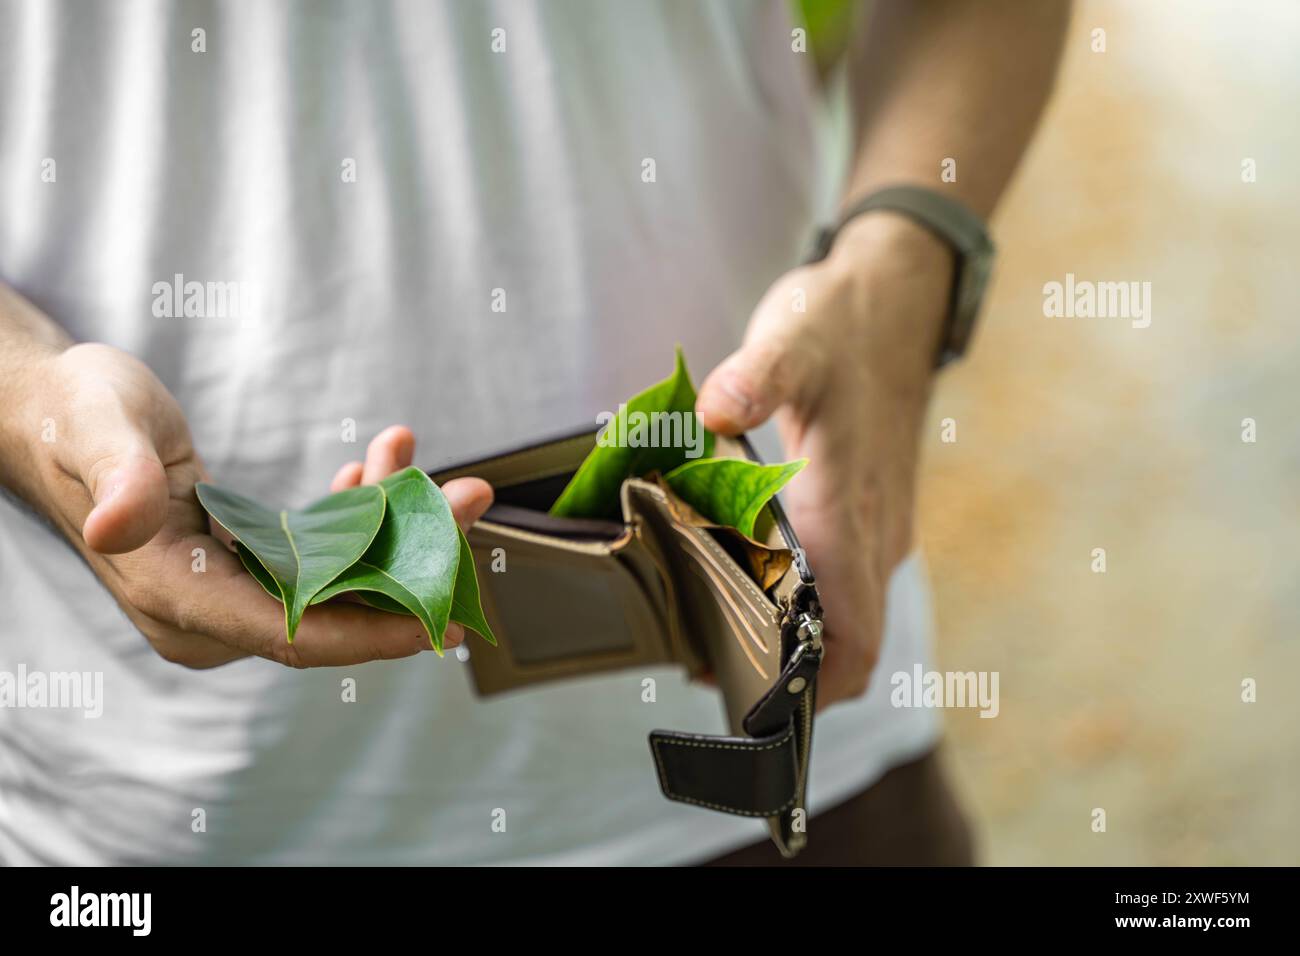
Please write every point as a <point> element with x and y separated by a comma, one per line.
<point>129,487</point>
<point>753,382</point>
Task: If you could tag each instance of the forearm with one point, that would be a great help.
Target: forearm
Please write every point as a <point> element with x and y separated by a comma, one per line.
<point>961,80</point>
<point>952,86</point>
<point>25,331</point>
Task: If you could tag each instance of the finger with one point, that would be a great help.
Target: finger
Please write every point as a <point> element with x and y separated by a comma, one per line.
<point>770,369</point>
<point>333,635</point>
<point>469,499</point>
<point>128,485</point>
<point>343,633</point>
<point>391,450</point>
<point>226,604</point>
<point>349,476</point>
<point>841,537</point>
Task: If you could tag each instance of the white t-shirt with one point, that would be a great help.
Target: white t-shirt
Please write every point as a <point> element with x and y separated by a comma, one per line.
<point>376,177</point>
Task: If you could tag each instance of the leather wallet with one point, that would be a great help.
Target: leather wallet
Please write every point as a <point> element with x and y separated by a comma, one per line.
<point>571,597</point>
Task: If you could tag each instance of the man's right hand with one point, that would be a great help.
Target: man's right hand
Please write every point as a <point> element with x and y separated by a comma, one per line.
<point>97,443</point>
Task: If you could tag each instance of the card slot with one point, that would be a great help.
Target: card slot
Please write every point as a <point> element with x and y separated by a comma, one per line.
<point>717,608</point>
<point>536,494</point>
<point>540,522</point>
<point>742,610</point>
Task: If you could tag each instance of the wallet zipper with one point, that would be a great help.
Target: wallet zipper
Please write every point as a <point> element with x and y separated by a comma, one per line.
<point>809,632</point>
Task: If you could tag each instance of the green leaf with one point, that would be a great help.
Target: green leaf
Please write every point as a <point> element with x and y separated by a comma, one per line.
<point>731,491</point>
<point>593,492</point>
<point>254,567</point>
<point>374,598</point>
<point>466,608</point>
<point>418,561</point>
<point>415,558</point>
<point>300,552</point>
<point>380,603</point>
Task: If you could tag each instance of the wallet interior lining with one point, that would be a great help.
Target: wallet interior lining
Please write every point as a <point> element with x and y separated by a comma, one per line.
<point>537,494</point>
<point>523,501</point>
<point>662,599</point>
<point>526,506</point>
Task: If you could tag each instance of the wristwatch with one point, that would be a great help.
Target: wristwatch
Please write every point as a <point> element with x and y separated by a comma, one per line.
<point>960,228</point>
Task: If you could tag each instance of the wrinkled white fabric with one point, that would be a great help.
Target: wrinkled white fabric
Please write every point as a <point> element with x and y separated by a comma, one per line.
<point>481,177</point>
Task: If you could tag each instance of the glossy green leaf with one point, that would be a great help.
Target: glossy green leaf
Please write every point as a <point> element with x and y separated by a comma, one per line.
<point>381,603</point>
<point>593,492</point>
<point>254,567</point>
<point>300,552</point>
<point>466,606</point>
<point>731,491</point>
<point>419,561</point>
<point>373,598</point>
<point>414,558</point>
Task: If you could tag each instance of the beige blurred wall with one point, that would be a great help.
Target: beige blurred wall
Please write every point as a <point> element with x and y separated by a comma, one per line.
<point>1123,690</point>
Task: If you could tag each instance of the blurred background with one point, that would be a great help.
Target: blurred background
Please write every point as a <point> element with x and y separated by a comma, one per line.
<point>1123,690</point>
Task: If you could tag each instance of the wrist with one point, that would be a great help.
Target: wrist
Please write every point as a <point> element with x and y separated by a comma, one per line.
<point>28,342</point>
<point>22,427</point>
<point>900,275</point>
<point>863,238</point>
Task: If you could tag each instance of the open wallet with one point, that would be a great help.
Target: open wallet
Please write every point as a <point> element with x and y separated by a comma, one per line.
<point>663,586</point>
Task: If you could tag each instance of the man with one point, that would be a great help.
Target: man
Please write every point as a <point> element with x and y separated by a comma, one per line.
<point>491,221</point>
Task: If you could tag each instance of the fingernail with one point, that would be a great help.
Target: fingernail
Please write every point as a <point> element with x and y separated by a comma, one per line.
<point>453,637</point>
<point>114,486</point>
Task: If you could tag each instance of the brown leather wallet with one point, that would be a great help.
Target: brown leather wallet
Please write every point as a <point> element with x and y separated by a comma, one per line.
<point>571,597</point>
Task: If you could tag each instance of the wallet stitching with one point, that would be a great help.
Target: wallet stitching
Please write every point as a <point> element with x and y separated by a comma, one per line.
<point>743,578</point>
<point>763,602</point>
<point>591,549</point>
<point>663,774</point>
